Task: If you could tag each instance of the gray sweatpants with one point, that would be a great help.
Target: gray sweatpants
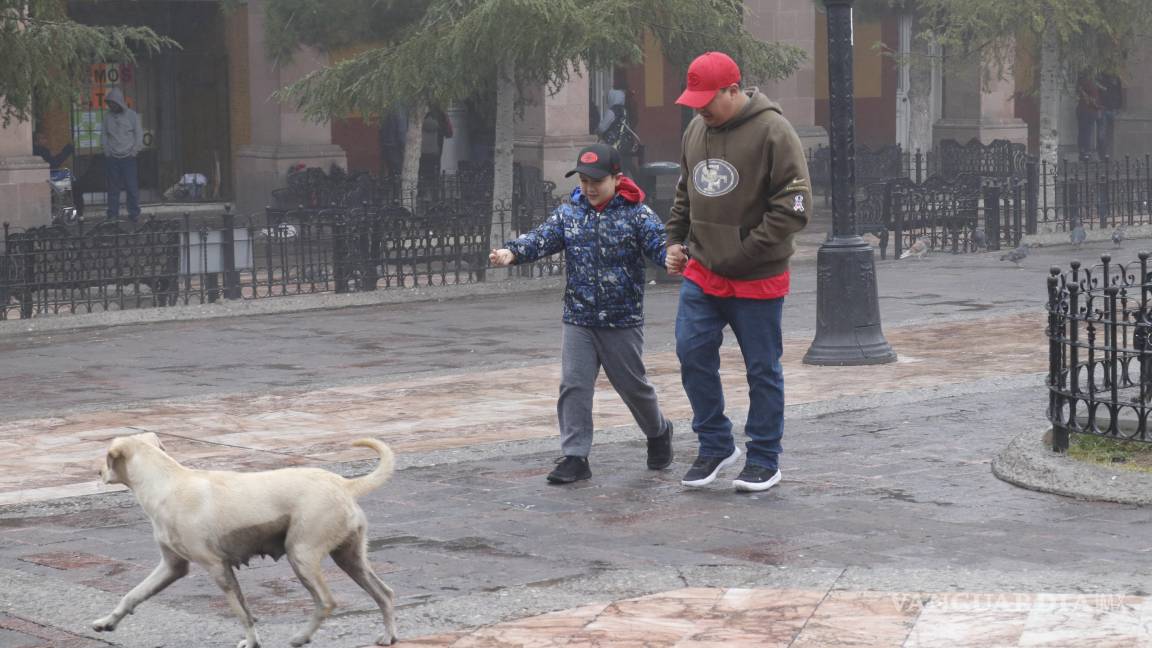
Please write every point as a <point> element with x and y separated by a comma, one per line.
<point>620,351</point>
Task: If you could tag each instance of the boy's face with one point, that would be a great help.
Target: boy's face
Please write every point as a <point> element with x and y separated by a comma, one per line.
<point>598,190</point>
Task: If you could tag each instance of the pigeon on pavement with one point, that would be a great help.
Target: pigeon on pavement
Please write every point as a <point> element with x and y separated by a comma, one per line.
<point>979,239</point>
<point>1017,255</point>
<point>918,249</point>
<point>1118,236</point>
<point>1077,235</point>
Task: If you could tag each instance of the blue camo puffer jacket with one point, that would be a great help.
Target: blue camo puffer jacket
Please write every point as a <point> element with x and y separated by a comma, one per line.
<point>604,255</point>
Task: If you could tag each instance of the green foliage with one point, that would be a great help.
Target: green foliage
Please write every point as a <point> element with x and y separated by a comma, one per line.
<point>450,50</point>
<point>1092,35</point>
<point>47,56</point>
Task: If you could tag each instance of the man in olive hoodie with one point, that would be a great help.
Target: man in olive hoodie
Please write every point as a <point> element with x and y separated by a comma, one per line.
<point>742,196</point>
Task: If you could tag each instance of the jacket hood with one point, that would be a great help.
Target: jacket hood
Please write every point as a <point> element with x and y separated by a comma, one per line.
<point>757,103</point>
<point>615,98</point>
<point>626,189</point>
<point>115,95</point>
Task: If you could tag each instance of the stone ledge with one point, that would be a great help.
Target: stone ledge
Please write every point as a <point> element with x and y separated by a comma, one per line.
<point>1028,463</point>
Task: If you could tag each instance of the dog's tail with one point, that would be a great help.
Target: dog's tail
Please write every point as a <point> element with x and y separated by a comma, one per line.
<point>375,479</point>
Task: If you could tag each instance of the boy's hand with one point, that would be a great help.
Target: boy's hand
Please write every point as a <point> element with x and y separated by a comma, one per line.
<point>676,259</point>
<point>501,257</point>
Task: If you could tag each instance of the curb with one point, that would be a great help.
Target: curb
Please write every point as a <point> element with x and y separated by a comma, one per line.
<point>1028,463</point>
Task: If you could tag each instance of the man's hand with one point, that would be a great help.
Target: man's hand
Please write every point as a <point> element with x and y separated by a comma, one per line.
<point>501,257</point>
<point>676,259</point>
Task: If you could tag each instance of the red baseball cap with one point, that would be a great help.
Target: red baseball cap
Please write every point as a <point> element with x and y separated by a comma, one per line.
<point>707,74</point>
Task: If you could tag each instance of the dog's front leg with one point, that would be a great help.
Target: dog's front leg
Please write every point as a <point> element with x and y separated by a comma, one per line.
<point>171,569</point>
<point>226,579</point>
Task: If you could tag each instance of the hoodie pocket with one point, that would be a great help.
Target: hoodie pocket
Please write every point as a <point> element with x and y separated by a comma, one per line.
<point>719,247</point>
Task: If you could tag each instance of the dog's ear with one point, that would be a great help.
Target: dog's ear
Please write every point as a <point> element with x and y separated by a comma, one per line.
<point>116,450</point>
<point>152,439</point>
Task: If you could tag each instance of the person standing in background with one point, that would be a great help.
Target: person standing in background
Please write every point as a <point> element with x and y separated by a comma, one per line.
<point>122,138</point>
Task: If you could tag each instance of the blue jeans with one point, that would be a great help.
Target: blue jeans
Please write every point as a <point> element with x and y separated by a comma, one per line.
<point>122,176</point>
<point>700,324</point>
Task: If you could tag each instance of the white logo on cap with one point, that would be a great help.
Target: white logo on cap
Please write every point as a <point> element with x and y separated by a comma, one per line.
<point>714,177</point>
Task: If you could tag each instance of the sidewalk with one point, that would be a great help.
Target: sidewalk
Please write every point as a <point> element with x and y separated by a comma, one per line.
<point>889,528</point>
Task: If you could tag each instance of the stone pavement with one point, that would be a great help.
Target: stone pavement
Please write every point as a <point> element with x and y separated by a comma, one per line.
<point>889,528</point>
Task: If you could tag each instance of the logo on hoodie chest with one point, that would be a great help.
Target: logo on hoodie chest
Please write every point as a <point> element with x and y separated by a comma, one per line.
<point>714,177</point>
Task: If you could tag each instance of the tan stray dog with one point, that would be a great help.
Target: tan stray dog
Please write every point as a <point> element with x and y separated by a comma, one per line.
<point>221,519</point>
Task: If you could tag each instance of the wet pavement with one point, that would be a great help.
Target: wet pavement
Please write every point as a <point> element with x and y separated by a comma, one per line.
<point>889,528</point>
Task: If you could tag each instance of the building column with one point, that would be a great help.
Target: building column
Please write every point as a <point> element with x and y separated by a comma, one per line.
<point>278,136</point>
<point>554,128</point>
<point>790,22</point>
<point>1133,134</point>
<point>25,199</point>
<point>972,111</point>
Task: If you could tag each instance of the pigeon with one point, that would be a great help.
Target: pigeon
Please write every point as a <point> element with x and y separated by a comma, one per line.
<point>1017,255</point>
<point>1078,235</point>
<point>918,249</point>
<point>1118,236</point>
<point>979,239</point>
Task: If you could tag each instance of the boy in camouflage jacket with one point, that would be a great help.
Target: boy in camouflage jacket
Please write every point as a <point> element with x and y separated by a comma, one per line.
<point>605,232</point>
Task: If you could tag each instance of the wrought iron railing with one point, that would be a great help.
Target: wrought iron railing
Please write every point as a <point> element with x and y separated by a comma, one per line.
<point>1099,350</point>
<point>83,269</point>
<point>1100,195</point>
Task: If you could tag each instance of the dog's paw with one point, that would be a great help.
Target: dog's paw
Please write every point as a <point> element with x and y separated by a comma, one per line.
<point>386,639</point>
<point>300,640</point>
<point>107,624</point>
<point>244,644</point>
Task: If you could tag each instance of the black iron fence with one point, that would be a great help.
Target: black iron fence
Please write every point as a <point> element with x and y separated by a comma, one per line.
<point>1099,195</point>
<point>84,269</point>
<point>1099,350</point>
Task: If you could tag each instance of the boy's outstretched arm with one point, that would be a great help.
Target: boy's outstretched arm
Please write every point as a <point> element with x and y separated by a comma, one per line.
<point>545,240</point>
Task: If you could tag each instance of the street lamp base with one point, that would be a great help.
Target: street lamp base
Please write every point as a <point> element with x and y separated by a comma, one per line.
<point>848,329</point>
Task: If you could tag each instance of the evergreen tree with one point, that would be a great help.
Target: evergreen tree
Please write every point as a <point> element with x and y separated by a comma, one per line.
<point>444,51</point>
<point>47,56</point>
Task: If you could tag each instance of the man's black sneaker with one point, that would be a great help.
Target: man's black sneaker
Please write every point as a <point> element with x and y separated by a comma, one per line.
<point>705,469</point>
<point>570,469</point>
<point>756,478</point>
<point>660,450</point>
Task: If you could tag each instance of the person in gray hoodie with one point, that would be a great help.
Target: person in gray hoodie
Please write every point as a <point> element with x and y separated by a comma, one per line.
<point>122,138</point>
<point>743,194</point>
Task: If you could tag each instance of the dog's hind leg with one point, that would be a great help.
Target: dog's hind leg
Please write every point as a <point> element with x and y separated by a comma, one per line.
<point>225,577</point>
<point>352,557</point>
<point>306,563</point>
<point>171,569</point>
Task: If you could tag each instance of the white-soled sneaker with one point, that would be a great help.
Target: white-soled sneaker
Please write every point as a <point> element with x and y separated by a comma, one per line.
<point>705,469</point>
<point>754,479</point>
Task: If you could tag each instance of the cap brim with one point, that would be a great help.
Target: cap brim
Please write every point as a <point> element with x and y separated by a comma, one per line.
<point>591,172</point>
<point>696,98</point>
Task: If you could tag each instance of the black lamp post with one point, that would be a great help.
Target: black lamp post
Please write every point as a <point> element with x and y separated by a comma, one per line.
<point>847,307</point>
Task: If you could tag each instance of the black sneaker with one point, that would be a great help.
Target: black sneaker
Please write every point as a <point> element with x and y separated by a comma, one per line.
<point>660,450</point>
<point>705,469</point>
<point>570,469</point>
<point>756,478</point>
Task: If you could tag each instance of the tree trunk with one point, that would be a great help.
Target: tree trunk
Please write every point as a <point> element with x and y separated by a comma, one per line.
<point>1051,94</point>
<point>502,221</point>
<point>413,143</point>
<point>920,100</point>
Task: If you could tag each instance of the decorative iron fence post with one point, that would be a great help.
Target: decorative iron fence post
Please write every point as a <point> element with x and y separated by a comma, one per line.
<point>228,254</point>
<point>1031,194</point>
<point>848,328</point>
<point>340,253</point>
<point>26,248</point>
<point>1055,401</point>
<point>992,217</point>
